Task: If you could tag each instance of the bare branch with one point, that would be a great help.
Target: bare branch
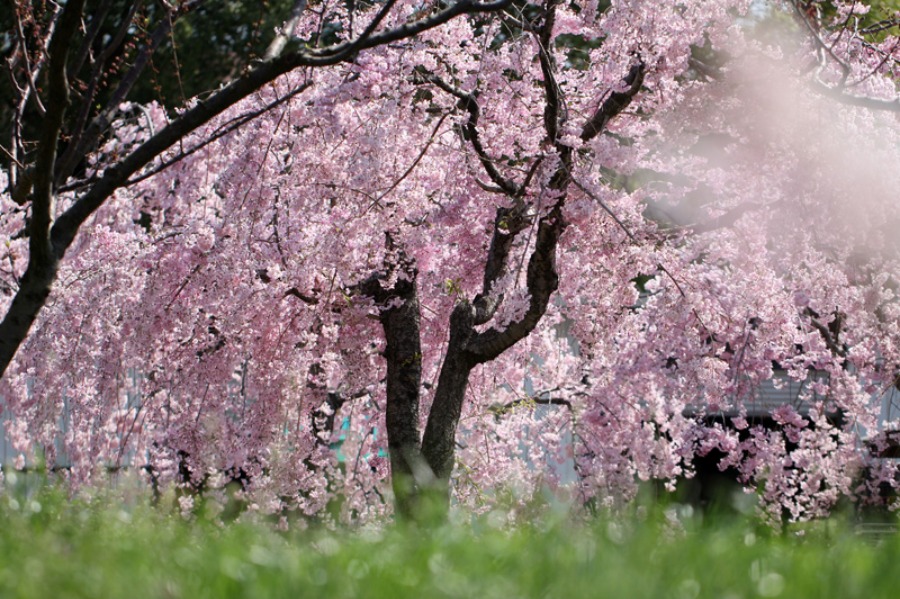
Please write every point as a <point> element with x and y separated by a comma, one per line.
<point>369,39</point>
<point>31,74</point>
<point>87,101</point>
<point>826,52</point>
<point>22,181</point>
<point>880,26</point>
<point>826,49</point>
<point>91,34</point>
<point>82,144</point>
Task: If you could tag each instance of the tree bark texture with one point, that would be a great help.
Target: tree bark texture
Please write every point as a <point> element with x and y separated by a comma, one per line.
<point>403,353</point>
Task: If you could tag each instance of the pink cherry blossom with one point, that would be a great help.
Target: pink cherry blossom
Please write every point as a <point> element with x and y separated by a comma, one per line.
<point>604,264</point>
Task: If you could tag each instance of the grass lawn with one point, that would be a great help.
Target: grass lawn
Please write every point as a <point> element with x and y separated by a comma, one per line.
<point>51,546</point>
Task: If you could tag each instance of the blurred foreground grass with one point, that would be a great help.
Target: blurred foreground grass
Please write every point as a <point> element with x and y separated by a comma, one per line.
<point>51,546</point>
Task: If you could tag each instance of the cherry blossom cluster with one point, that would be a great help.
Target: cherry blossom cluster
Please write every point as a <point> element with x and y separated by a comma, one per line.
<point>733,226</point>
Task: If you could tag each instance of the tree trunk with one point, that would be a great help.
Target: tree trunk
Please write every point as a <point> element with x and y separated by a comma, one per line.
<point>27,303</point>
<point>404,376</point>
<point>438,444</point>
<point>403,353</point>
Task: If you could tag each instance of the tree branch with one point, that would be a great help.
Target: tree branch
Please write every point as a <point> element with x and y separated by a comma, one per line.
<point>554,113</point>
<point>438,442</point>
<point>91,34</point>
<point>502,409</point>
<point>82,144</point>
<point>861,101</point>
<point>830,333</point>
<point>369,39</point>
<point>277,45</point>
<point>615,103</point>
<point>221,132</point>
<point>57,101</point>
<point>87,101</point>
<point>508,223</point>
<point>541,277</point>
<point>469,102</point>
<point>541,280</point>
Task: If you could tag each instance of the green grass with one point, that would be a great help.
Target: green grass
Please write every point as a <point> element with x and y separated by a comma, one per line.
<point>51,546</point>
